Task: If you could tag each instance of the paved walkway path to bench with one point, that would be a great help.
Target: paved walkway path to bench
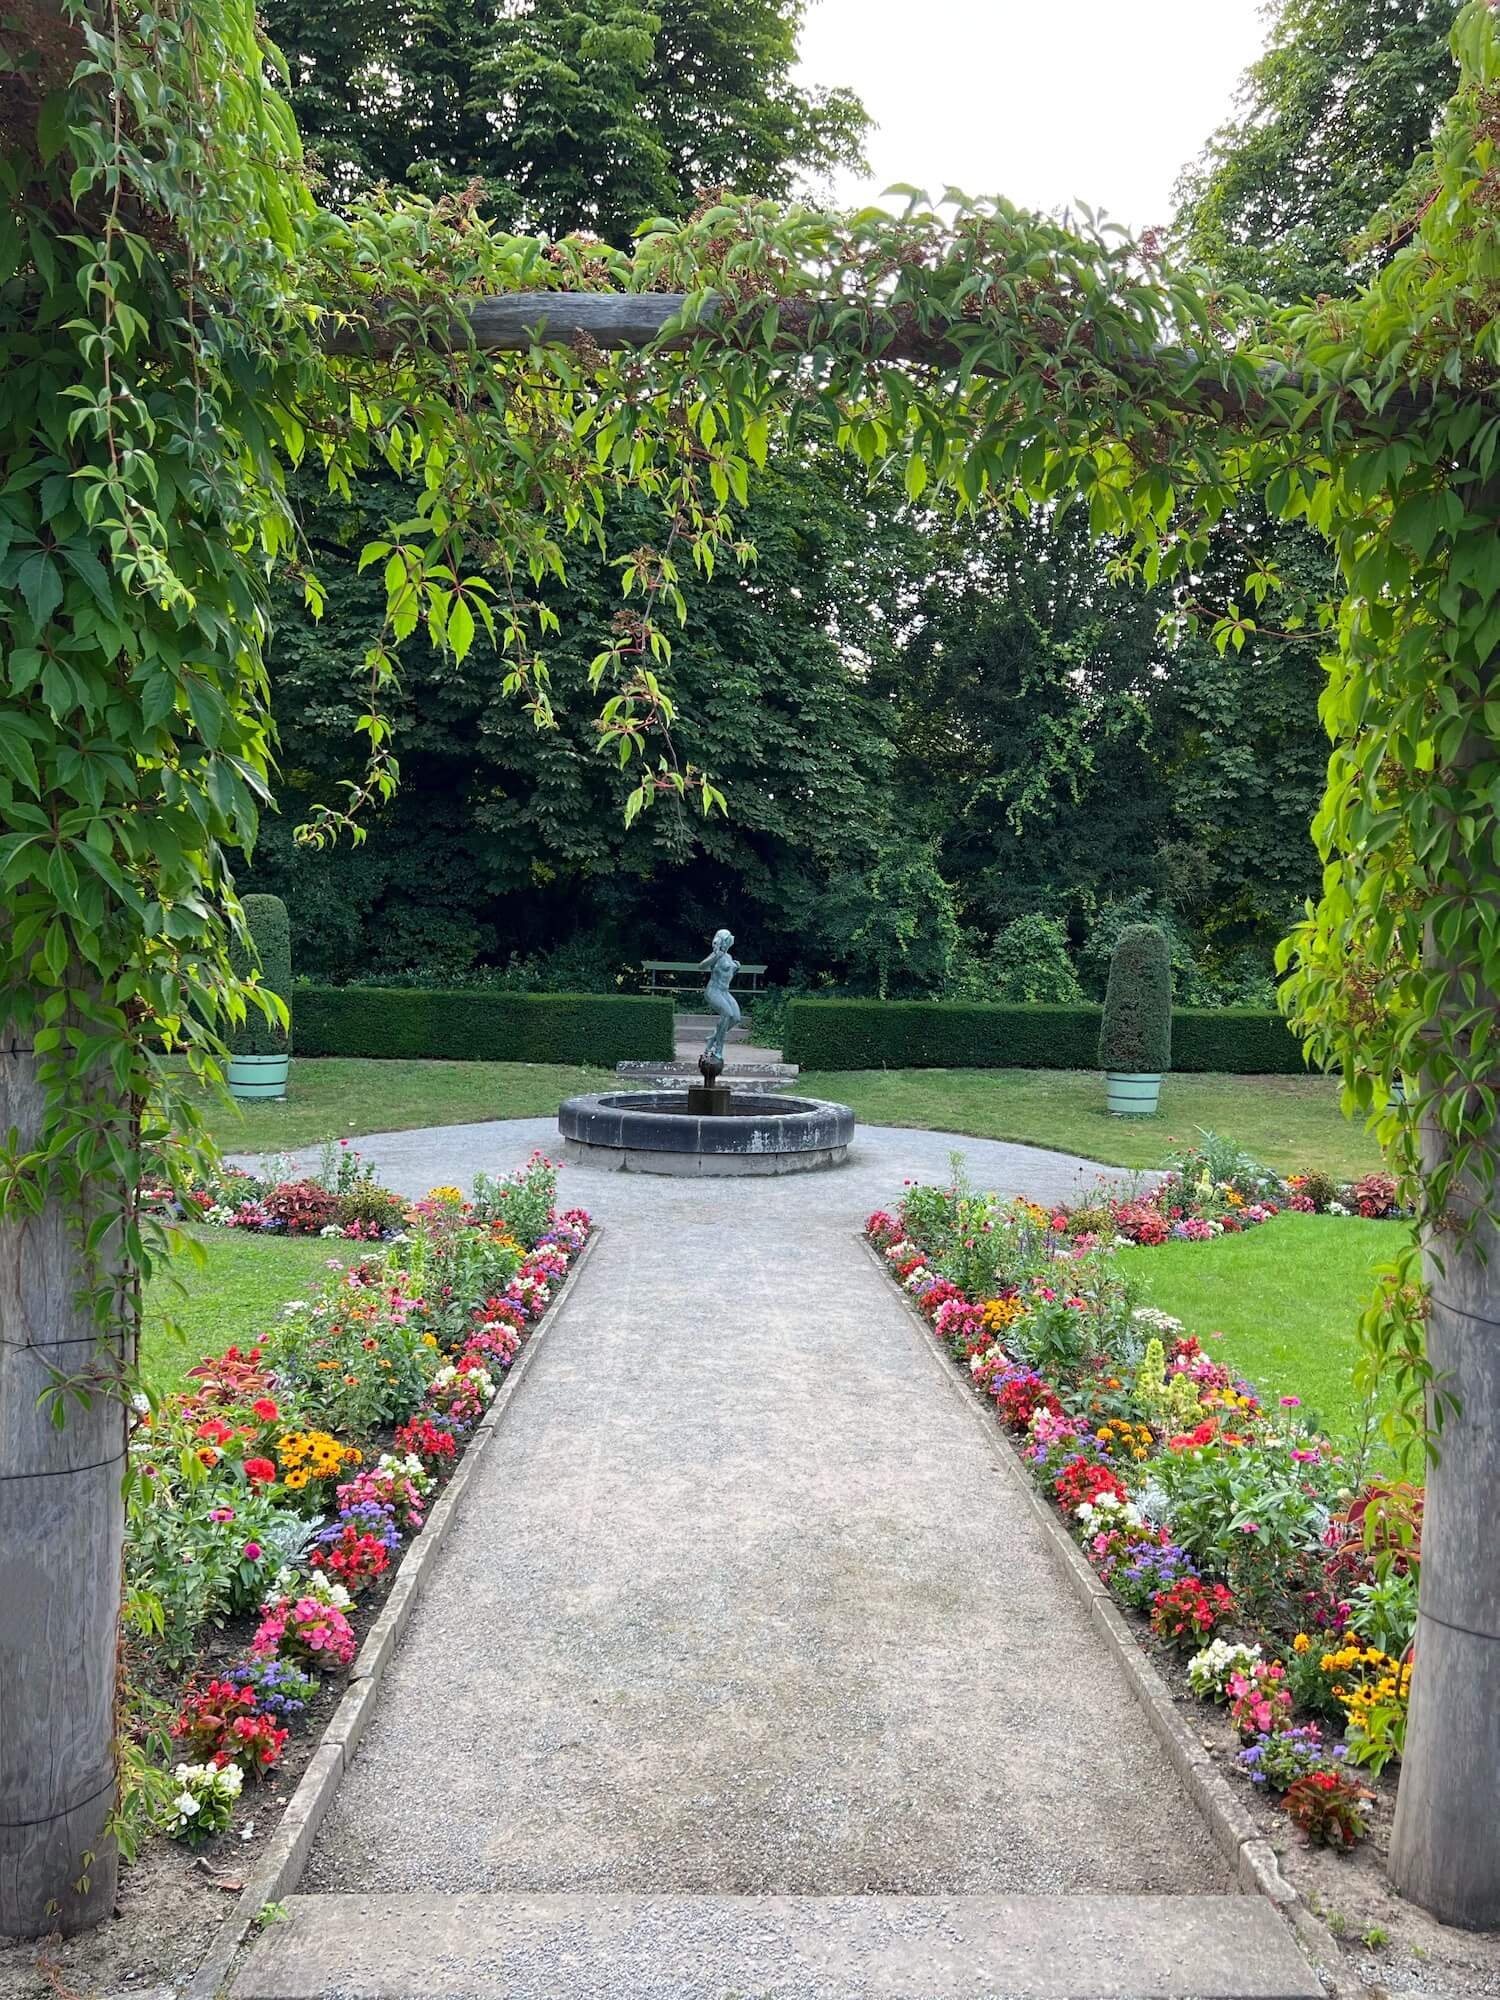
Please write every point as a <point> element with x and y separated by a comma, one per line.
<point>740,1606</point>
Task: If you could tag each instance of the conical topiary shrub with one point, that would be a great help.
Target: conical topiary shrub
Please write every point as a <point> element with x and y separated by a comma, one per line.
<point>1135,1036</point>
<point>260,1050</point>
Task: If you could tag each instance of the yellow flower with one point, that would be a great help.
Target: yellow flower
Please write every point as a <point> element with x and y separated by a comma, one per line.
<point>1302,1644</point>
<point>448,1194</point>
<point>1001,1313</point>
<point>297,1480</point>
<point>429,1340</point>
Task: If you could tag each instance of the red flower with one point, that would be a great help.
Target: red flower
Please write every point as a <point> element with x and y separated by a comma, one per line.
<point>260,1471</point>
<point>424,1438</point>
<point>265,1409</point>
<point>1188,1611</point>
<point>1081,1480</point>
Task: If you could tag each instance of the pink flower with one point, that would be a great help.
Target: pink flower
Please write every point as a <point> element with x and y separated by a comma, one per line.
<point>1291,1402</point>
<point>221,1513</point>
<point>252,1552</point>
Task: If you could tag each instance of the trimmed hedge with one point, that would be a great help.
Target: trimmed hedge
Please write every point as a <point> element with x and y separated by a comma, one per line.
<point>271,936</point>
<point>956,1034</point>
<point>1135,1036</point>
<point>479,1026</point>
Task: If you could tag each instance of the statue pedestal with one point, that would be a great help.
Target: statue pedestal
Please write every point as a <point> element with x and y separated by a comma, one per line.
<point>709,1099</point>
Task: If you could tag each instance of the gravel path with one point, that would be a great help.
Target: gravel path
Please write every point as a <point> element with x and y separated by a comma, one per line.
<point>739,1599</point>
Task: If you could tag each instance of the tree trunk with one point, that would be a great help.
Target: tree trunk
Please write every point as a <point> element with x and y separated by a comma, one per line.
<point>62,1525</point>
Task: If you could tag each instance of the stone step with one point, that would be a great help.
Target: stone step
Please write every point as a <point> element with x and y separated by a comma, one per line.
<point>698,1025</point>
<point>738,1074</point>
<point>695,1947</point>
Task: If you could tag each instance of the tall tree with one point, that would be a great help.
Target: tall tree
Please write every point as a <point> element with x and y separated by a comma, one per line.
<point>1020,700</point>
<point>571,114</point>
<point>1330,121</point>
<point>506,839</point>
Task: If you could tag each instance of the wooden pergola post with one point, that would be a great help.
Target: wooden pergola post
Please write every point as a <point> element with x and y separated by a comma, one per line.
<point>62,1534</point>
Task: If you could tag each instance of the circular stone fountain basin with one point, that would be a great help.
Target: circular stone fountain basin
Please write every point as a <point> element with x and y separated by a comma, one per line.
<point>653,1132</point>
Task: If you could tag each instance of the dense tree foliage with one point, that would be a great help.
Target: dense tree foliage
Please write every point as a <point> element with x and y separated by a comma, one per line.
<point>568,114</point>
<point>974,703</point>
<point>504,839</point>
<point>1330,121</point>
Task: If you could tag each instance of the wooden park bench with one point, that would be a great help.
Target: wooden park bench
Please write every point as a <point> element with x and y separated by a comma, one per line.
<point>675,975</point>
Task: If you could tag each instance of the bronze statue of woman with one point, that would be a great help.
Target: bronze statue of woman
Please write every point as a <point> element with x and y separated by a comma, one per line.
<point>722,969</point>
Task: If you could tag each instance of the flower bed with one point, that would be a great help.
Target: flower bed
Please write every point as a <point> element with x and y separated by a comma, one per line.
<point>1213,1189</point>
<point>270,1502</point>
<point>1282,1580</point>
<point>340,1199</point>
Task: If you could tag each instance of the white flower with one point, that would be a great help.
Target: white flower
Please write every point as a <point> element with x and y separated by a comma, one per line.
<point>1210,1669</point>
<point>1099,1516</point>
<point>1159,1322</point>
<point>186,1804</point>
<point>330,1229</point>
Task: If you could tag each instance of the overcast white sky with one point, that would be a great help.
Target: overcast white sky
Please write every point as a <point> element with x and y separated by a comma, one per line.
<point>1045,101</point>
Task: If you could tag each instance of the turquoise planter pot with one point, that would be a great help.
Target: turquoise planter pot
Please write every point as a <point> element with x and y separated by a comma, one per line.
<point>1132,1093</point>
<point>258,1076</point>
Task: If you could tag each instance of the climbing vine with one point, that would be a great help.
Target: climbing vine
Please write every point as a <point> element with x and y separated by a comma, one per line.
<point>185,323</point>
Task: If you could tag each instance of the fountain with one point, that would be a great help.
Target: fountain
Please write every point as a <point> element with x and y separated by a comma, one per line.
<point>711,1127</point>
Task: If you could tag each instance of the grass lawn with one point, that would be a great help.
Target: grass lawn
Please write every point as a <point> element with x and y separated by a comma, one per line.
<point>1287,1121</point>
<point>245,1282</point>
<point>1286,1297</point>
<point>1290,1122</point>
<point>334,1097</point>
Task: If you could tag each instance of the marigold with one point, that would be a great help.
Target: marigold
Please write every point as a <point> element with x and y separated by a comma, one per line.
<point>1001,1313</point>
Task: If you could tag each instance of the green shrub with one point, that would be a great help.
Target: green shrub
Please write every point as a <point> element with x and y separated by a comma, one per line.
<point>1031,963</point>
<point>475,1025</point>
<point>270,954</point>
<point>951,1034</point>
<point>1136,1032</point>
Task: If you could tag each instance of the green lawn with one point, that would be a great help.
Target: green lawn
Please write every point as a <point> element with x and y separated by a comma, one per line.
<point>335,1096</point>
<point>245,1282</point>
<point>1287,1121</point>
<point>1290,1122</point>
<point>1287,1298</point>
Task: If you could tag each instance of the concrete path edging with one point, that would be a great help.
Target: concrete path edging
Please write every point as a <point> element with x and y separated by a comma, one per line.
<point>280,1867</point>
<point>1248,1852</point>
